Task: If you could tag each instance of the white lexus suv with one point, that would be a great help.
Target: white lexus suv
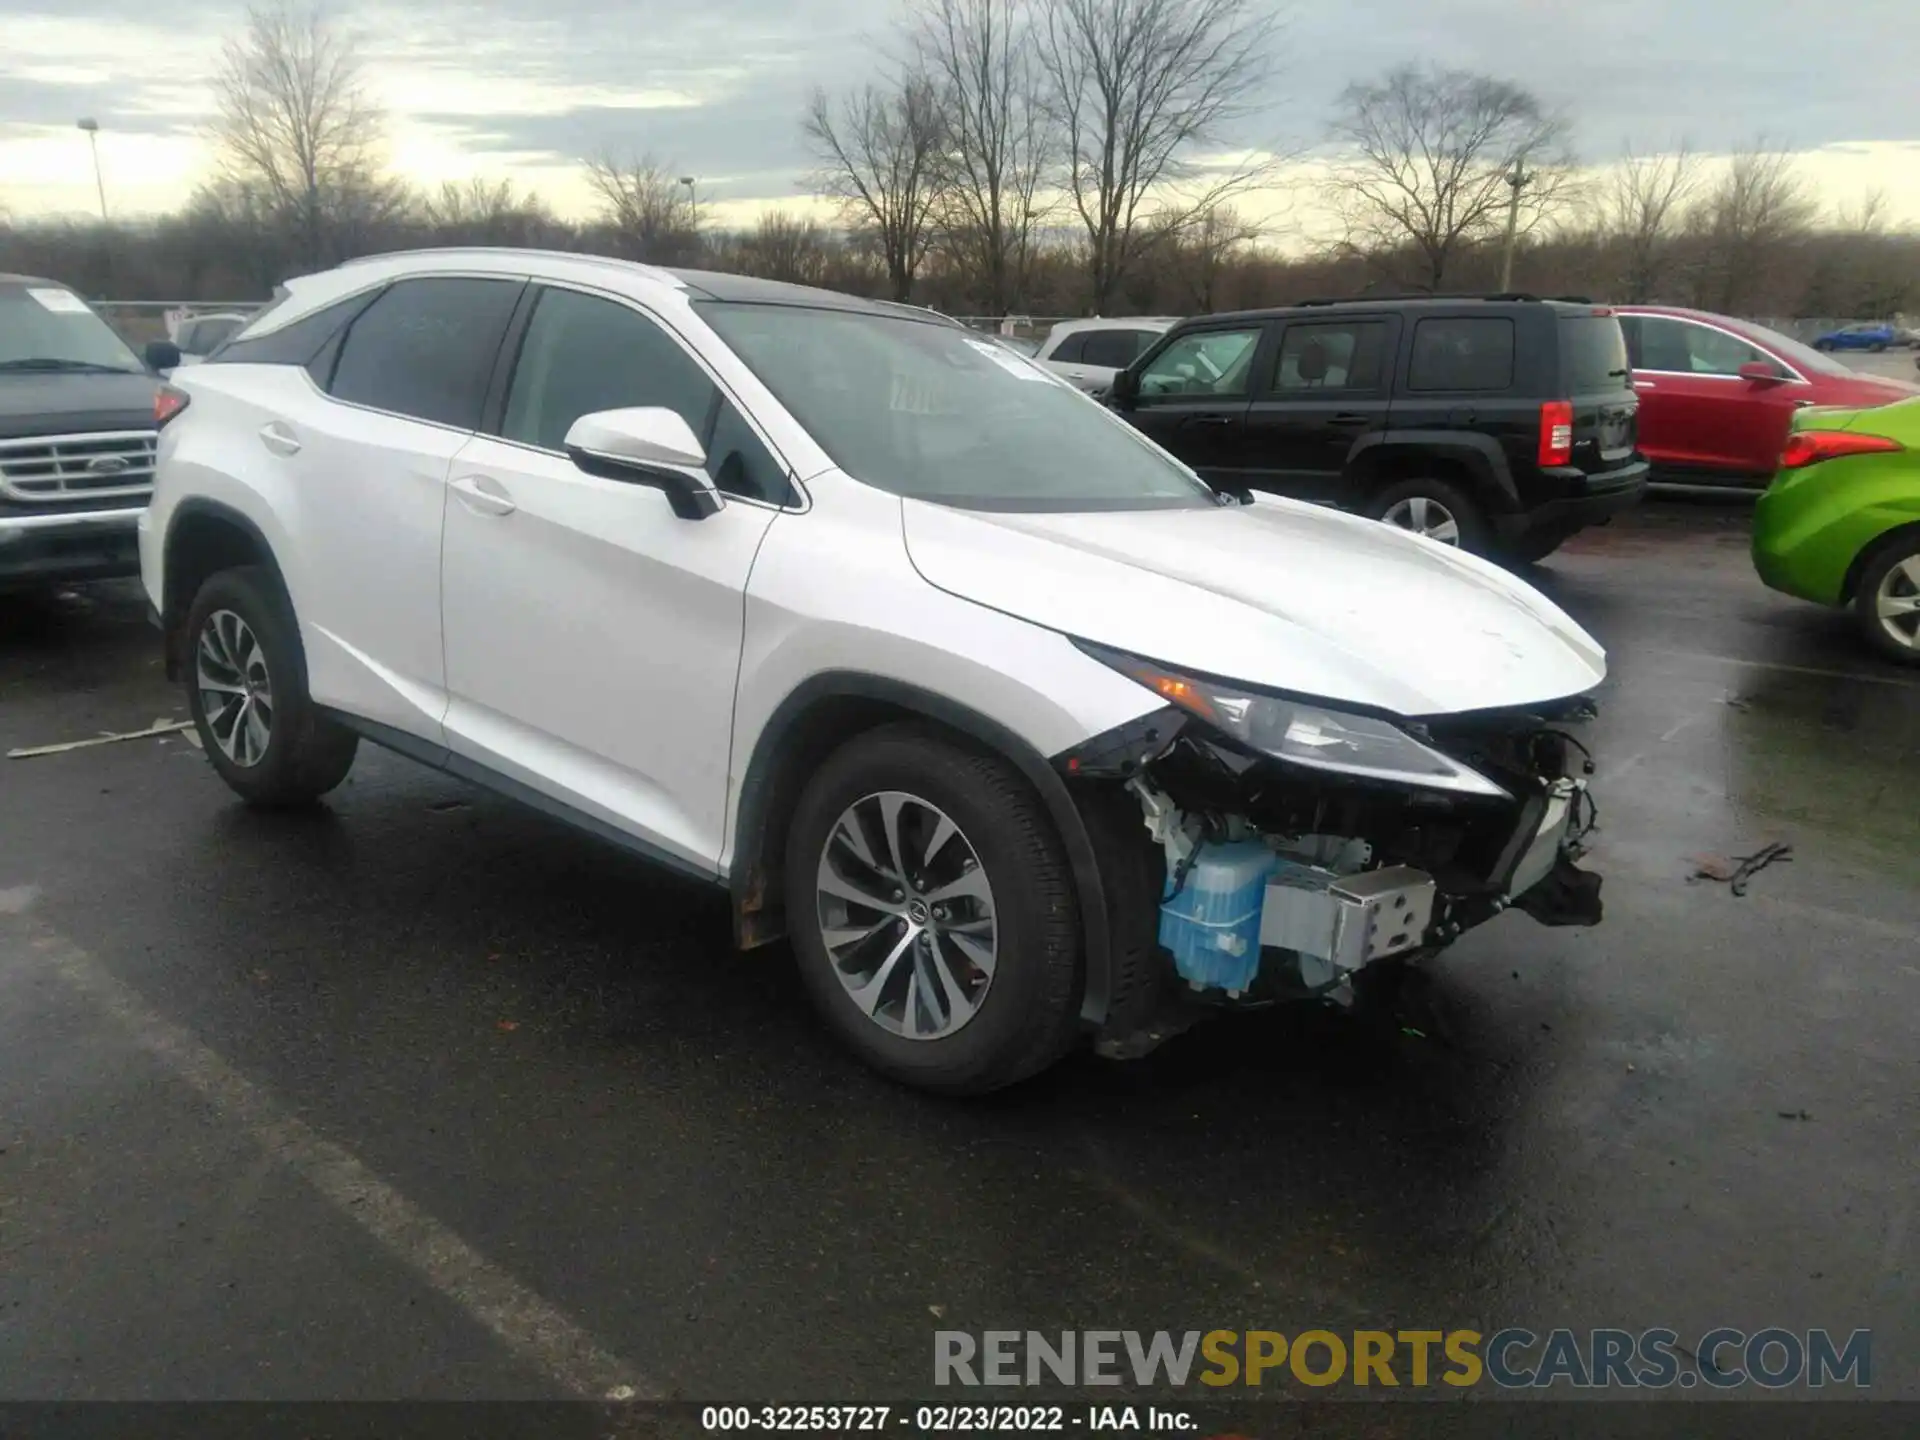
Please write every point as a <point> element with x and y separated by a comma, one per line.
<point>1014,729</point>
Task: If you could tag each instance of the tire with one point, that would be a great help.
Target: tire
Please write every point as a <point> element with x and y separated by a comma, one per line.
<point>1877,349</point>
<point>1823,345</point>
<point>1404,503</point>
<point>241,631</point>
<point>1024,1015</point>
<point>1891,575</point>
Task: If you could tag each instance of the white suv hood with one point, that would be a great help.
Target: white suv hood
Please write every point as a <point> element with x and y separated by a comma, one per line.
<point>1277,594</point>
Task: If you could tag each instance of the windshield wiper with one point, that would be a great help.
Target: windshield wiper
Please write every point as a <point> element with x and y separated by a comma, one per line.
<point>46,363</point>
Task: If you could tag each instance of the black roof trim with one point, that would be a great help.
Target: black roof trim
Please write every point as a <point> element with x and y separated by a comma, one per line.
<point>751,290</point>
<point>1384,302</point>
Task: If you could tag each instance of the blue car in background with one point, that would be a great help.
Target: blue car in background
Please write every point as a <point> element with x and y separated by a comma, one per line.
<point>1863,337</point>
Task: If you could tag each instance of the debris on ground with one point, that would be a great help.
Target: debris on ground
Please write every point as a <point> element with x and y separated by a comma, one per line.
<point>1793,1115</point>
<point>1736,871</point>
<point>159,727</point>
<point>441,807</point>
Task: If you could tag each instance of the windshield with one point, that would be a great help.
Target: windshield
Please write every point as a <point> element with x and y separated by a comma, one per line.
<point>928,411</point>
<point>46,326</point>
<point>1802,357</point>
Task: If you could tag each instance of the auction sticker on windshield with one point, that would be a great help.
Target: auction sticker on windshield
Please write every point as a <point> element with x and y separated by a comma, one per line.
<point>64,302</point>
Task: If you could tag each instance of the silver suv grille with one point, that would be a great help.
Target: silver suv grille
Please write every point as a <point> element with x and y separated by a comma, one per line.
<point>38,469</point>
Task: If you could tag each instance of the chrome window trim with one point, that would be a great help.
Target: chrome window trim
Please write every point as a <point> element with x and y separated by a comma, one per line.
<point>1793,377</point>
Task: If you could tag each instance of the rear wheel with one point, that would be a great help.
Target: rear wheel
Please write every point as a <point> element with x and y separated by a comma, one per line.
<point>247,690</point>
<point>1887,604</point>
<point>1437,509</point>
<point>932,912</point>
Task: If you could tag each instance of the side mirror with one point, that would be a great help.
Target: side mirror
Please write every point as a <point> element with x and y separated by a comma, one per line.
<point>648,445</point>
<point>1760,372</point>
<point>162,355</point>
<point>1125,388</point>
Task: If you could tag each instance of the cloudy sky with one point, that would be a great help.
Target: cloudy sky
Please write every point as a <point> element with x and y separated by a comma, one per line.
<point>526,88</point>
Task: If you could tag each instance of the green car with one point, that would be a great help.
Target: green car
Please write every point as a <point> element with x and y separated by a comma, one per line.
<point>1841,522</point>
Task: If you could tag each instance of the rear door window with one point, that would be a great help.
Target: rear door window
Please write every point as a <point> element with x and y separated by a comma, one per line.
<point>1470,353</point>
<point>1593,354</point>
<point>426,348</point>
<point>1333,356</point>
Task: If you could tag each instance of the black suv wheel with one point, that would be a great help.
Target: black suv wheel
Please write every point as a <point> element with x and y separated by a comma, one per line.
<point>247,689</point>
<point>932,912</point>
<point>1437,509</point>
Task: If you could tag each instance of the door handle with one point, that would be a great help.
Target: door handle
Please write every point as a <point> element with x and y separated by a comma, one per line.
<point>1210,421</point>
<point>1643,385</point>
<point>483,495</point>
<point>1346,417</point>
<point>278,437</point>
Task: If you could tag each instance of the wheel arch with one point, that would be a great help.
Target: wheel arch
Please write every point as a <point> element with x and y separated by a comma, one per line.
<point>204,537</point>
<point>1869,552</point>
<point>822,714</point>
<point>1476,460</point>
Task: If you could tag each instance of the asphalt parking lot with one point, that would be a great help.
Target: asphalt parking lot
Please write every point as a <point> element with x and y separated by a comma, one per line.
<point>422,1096</point>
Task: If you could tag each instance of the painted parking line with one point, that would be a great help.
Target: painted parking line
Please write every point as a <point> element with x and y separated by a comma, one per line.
<point>1697,657</point>
<point>538,1333</point>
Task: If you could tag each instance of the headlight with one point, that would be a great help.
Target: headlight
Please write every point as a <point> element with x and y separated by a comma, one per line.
<point>1302,733</point>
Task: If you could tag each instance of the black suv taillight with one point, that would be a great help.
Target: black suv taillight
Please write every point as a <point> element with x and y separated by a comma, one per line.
<point>1556,432</point>
<point>167,403</point>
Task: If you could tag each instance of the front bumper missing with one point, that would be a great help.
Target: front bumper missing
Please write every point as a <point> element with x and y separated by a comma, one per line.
<point>1343,923</point>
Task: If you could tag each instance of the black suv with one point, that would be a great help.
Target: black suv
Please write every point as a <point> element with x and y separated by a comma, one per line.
<point>77,438</point>
<point>1502,423</point>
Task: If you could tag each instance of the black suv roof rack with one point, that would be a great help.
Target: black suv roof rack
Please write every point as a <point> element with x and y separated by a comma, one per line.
<point>1509,295</point>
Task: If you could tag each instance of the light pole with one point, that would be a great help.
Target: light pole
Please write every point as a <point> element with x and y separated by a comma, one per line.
<point>1517,180</point>
<point>693,205</point>
<point>92,127</point>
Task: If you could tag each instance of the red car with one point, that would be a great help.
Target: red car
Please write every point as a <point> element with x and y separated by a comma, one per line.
<point>1716,394</point>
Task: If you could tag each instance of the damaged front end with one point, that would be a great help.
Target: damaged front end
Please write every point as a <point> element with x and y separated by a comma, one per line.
<point>1298,843</point>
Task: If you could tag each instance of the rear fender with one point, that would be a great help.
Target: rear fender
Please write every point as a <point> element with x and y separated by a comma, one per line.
<point>1400,452</point>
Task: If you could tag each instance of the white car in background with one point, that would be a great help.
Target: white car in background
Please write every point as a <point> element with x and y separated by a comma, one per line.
<point>1091,352</point>
<point>739,576</point>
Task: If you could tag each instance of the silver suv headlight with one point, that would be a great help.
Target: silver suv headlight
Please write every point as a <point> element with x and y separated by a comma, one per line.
<point>1309,733</point>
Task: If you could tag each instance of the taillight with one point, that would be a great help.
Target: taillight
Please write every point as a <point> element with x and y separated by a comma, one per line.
<point>167,403</point>
<point>1556,432</point>
<point>1810,447</point>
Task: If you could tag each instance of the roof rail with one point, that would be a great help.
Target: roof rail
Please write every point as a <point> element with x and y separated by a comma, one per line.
<point>582,256</point>
<point>1514,295</point>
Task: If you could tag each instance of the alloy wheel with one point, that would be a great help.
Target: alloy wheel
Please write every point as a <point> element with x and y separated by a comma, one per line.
<point>1897,602</point>
<point>236,688</point>
<point>906,914</point>
<point>1424,516</point>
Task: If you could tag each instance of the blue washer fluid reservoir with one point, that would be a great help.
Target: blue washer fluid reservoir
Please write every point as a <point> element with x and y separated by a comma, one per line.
<point>1212,926</point>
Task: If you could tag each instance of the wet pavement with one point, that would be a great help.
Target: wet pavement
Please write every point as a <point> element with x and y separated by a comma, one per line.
<point>422,1095</point>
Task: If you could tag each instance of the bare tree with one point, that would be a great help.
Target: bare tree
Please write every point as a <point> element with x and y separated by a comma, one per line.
<point>1744,228</point>
<point>785,247</point>
<point>294,124</point>
<point>651,213</point>
<point>1641,214</point>
<point>996,151</point>
<point>1429,156</point>
<point>1138,88</point>
<point>486,212</point>
<point>1203,253</point>
<point>879,155</point>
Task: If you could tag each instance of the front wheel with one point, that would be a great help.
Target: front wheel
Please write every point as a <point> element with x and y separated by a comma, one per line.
<point>247,690</point>
<point>1887,604</point>
<point>933,913</point>
<point>1437,509</point>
